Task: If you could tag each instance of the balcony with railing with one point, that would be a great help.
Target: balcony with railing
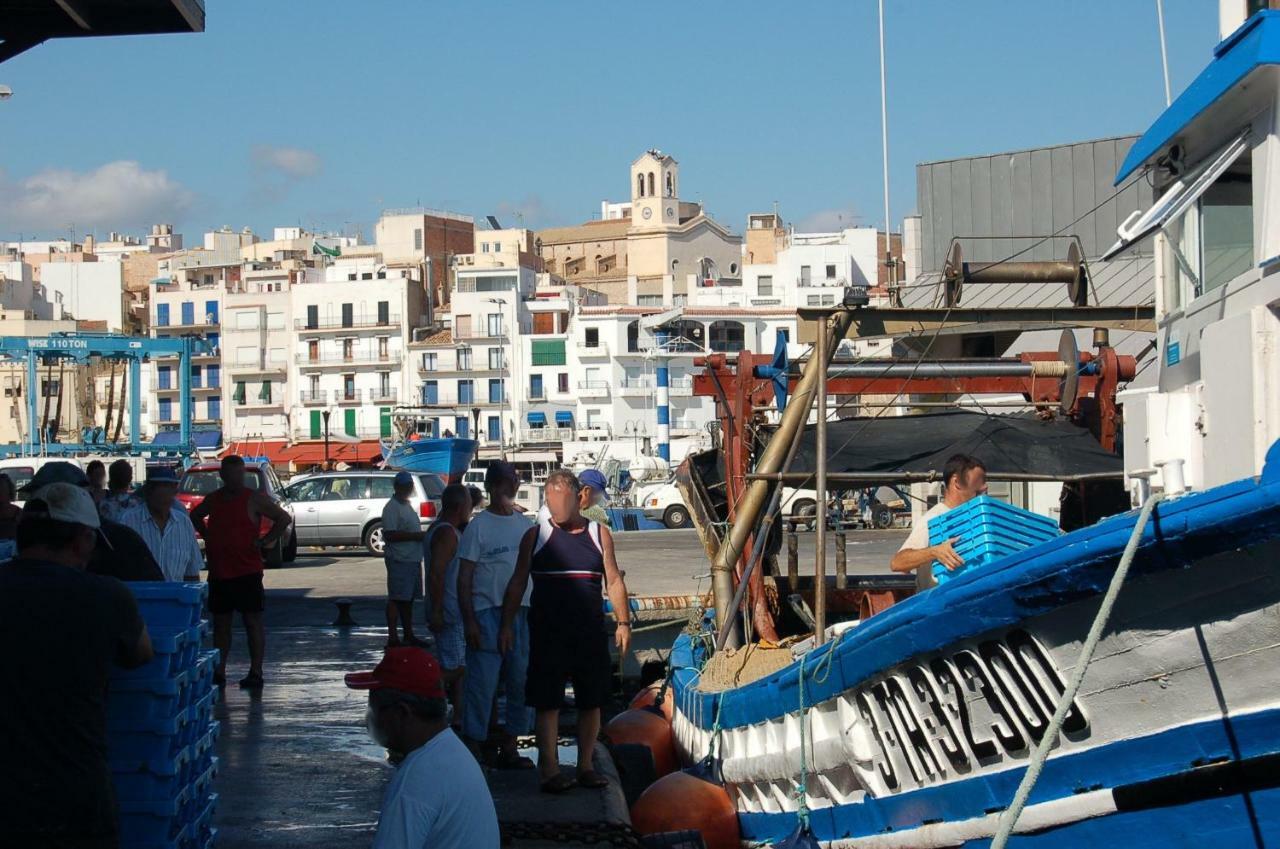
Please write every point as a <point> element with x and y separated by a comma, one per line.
<point>822,282</point>
<point>344,397</point>
<point>681,387</point>
<point>590,351</point>
<point>206,323</point>
<point>543,435</point>
<point>382,396</point>
<point>535,395</point>
<point>684,427</point>
<point>253,403</point>
<point>454,371</point>
<point>318,398</point>
<point>356,322</point>
<point>256,367</point>
<point>636,387</point>
<point>593,388</point>
<point>356,359</point>
<point>593,431</point>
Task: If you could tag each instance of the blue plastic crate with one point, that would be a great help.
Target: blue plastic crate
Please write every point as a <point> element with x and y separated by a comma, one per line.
<point>169,604</point>
<point>199,826</point>
<point>153,822</point>
<point>134,703</point>
<point>174,653</point>
<point>986,529</point>
<point>199,718</point>
<point>202,674</point>
<point>154,781</point>
<point>150,746</point>
<point>202,752</point>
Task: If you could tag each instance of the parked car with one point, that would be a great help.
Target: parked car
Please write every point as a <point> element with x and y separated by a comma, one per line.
<point>202,478</point>
<point>345,508</point>
<point>22,469</point>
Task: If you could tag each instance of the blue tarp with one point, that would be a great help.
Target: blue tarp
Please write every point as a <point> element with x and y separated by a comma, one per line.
<point>202,438</point>
<point>536,418</point>
<point>564,417</point>
<point>1253,45</point>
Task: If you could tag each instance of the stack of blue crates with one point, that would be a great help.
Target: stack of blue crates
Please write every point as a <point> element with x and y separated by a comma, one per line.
<point>161,733</point>
<point>986,529</point>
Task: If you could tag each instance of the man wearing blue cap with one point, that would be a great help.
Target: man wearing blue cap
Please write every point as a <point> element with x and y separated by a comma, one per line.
<point>165,527</point>
<point>402,537</point>
<point>591,495</point>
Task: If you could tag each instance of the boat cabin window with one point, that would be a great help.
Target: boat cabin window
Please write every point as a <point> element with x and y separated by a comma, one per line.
<point>1211,243</point>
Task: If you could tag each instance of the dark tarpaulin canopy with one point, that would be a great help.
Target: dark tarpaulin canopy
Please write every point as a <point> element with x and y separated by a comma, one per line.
<point>1013,446</point>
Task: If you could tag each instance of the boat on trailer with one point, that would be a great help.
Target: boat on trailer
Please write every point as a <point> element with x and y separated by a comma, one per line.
<point>1119,684</point>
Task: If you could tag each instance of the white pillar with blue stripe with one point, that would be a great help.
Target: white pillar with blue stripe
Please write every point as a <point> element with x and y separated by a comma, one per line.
<point>663,374</point>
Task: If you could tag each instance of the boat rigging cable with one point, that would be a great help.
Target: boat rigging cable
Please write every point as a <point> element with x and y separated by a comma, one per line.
<point>1009,819</point>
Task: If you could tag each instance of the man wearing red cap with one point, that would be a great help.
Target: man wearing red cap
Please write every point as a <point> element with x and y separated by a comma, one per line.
<point>438,798</point>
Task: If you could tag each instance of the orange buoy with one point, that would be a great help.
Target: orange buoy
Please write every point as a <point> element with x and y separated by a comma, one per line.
<point>680,802</point>
<point>649,695</point>
<point>649,730</point>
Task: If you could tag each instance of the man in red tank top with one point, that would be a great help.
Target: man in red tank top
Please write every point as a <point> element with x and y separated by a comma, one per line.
<point>230,520</point>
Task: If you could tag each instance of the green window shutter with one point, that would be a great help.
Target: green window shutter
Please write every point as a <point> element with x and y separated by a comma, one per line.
<point>238,395</point>
<point>350,422</point>
<point>317,424</point>
<point>547,352</point>
<point>384,421</point>
<point>264,394</point>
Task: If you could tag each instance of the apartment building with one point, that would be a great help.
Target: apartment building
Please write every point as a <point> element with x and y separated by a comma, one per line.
<point>256,346</point>
<point>189,302</point>
<point>428,239</point>
<point>351,322</point>
<point>789,269</point>
<point>59,409</point>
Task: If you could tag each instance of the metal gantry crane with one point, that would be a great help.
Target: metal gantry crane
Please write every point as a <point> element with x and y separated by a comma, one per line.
<point>80,348</point>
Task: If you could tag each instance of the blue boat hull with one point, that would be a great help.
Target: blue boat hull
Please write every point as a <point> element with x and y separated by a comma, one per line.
<point>448,458</point>
<point>918,722</point>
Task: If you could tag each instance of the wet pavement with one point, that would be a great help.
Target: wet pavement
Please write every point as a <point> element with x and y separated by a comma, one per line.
<point>297,766</point>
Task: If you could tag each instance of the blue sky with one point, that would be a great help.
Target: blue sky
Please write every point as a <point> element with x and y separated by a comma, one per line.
<point>305,112</point>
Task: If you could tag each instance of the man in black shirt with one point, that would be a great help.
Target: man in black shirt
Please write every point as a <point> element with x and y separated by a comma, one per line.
<point>120,552</point>
<point>60,631</point>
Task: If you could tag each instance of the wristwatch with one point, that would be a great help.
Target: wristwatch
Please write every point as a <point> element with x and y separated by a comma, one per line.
<point>626,624</point>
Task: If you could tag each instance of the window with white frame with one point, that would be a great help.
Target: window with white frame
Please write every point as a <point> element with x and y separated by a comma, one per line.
<point>275,321</point>
<point>764,286</point>
<point>246,319</point>
<point>495,358</point>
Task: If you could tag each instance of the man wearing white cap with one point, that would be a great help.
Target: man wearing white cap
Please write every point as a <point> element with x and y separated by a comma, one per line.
<point>402,537</point>
<point>55,784</point>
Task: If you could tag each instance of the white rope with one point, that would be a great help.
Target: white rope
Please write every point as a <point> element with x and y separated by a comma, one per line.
<point>1009,819</point>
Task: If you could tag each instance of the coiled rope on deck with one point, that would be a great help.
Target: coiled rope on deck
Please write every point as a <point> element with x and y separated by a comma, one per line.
<point>1009,818</point>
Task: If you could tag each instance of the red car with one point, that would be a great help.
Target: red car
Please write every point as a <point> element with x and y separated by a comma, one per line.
<point>201,479</point>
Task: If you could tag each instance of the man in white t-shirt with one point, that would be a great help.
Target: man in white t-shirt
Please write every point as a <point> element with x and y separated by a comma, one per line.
<point>963,478</point>
<point>487,558</point>
<point>438,798</point>
<point>402,537</point>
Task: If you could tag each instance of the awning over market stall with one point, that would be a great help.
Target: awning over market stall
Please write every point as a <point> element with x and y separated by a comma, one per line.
<point>1013,447</point>
<point>282,453</point>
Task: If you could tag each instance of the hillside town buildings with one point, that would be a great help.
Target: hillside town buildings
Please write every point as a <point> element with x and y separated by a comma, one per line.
<point>318,344</point>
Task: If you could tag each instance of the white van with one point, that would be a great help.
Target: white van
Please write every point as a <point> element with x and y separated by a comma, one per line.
<point>22,469</point>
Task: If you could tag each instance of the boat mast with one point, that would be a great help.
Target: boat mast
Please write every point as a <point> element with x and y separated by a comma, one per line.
<point>790,429</point>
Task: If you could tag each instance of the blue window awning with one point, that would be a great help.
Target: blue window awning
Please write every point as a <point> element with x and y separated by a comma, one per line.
<point>204,439</point>
<point>537,418</point>
<point>1255,44</point>
<point>564,417</point>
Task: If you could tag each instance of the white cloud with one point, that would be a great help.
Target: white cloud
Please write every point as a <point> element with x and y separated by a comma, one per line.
<point>828,221</point>
<point>118,195</point>
<point>291,162</point>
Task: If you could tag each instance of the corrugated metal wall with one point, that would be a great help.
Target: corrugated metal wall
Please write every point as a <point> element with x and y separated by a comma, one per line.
<point>1026,193</point>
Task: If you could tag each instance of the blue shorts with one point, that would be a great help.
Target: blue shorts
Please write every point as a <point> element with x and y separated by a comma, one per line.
<point>451,646</point>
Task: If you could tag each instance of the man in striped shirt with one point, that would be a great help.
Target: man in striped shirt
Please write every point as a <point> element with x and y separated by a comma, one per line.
<point>165,527</point>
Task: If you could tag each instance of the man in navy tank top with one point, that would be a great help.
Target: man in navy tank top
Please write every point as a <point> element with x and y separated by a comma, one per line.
<point>571,561</point>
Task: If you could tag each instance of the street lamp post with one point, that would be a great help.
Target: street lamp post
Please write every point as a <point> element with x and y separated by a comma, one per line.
<point>325,416</point>
<point>509,403</point>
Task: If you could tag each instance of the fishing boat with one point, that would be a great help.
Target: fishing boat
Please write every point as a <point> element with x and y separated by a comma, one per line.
<point>448,457</point>
<point>1118,685</point>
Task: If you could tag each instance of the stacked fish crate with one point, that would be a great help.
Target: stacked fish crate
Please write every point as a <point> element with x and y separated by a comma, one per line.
<point>986,529</point>
<point>161,733</point>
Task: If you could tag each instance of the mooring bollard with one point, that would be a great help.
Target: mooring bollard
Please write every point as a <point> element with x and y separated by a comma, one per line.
<point>793,559</point>
<point>842,574</point>
<point>344,619</point>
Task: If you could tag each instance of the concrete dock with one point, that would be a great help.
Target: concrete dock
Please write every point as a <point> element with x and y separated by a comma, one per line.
<point>297,766</point>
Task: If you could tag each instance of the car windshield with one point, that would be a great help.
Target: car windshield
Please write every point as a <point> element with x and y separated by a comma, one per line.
<point>206,481</point>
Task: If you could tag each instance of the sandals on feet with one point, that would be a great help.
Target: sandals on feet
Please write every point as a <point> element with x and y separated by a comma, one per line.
<point>558,783</point>
<point>592,779</point>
